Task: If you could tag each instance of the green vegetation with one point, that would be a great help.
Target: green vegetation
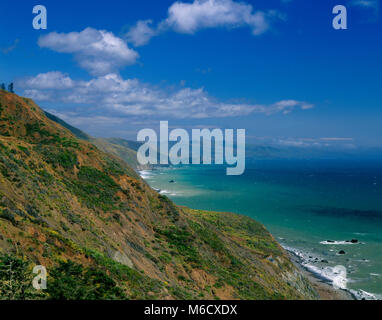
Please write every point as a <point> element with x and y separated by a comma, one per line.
<point>46,177</point>
<point>36,127</point>
<point>47,137</point>
<point>65,158</point>
<point>16,279</point>
<point>95,188</point>
<point>114,168</point>
<point>7,215</point>
<point>183,241</point>
<point>138,285</point>
<point>66,281</point>
<point>72,281</point>
<point>24,149</point>
<point>210,238</point>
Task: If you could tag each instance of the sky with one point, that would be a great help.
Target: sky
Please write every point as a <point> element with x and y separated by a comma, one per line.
<point>276,68</point>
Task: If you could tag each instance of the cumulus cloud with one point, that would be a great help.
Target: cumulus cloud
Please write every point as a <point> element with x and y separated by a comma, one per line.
<point>201,14</point>
<point>98,51</point>
<point>191,17</point>
<point>141,33</point>
<point>131,98</point>
<point>50,80</point>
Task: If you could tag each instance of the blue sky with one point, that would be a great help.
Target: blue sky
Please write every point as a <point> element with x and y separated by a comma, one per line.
<point>274,67</point>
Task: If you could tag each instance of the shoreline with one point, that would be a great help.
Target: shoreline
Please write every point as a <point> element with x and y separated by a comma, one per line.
<point>323,288</point>
<point>320,280</point>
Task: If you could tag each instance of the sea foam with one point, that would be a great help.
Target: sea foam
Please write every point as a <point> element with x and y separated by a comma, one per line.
<point>332,275</point>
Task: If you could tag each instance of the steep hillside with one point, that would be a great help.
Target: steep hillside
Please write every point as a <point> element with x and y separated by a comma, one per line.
<point>77,132</point>
<point>119,148</point>
<point>124,149</point>
<point>103,233</point>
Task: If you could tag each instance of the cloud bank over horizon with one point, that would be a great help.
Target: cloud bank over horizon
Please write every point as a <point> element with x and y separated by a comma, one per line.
<point>133,98</point>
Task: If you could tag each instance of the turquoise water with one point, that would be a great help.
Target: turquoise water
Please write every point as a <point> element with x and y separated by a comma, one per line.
<point>302,203</point>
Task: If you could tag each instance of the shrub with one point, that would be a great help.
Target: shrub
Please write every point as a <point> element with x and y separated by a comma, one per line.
<point>95,188</point>
<point>72,281</point>
<point>182,240</point>
<point>114,168</point>
<point>25,150</point>
<point>15,279</point>
<point>7,215</point>
<point>62,157</point>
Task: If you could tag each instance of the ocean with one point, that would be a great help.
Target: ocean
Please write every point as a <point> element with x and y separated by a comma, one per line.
<point>329,212</point>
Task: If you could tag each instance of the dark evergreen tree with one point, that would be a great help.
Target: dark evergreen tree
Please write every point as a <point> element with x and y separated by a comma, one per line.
<point>3,86</point>
<point>10,87</point>
<point>16,279</point>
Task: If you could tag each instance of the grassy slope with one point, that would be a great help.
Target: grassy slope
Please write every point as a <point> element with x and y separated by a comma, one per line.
<point>118,148</point>
<point>62,199</point>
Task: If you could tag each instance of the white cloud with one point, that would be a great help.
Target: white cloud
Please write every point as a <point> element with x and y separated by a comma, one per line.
<point>141,33</point>
<point>191,17</point>
<point>202,14</point>
<point>113,95</point>
<point>37,95</point>
<point>50,80</point>
<point>327,142</point>
<point>98,51</point>
<point>336,139</point>
<point>287,106</point>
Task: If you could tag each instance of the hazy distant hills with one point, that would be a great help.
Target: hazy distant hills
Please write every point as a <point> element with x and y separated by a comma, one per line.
<point>257,152</point>
<point>127,149</point>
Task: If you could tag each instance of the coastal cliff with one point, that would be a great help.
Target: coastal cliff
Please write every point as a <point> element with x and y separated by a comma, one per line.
<point>103,233</point>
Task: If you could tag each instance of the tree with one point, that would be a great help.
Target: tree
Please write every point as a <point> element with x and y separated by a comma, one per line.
<point>10,87</point>
<point>16,279</point>
<point>3,86</point>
